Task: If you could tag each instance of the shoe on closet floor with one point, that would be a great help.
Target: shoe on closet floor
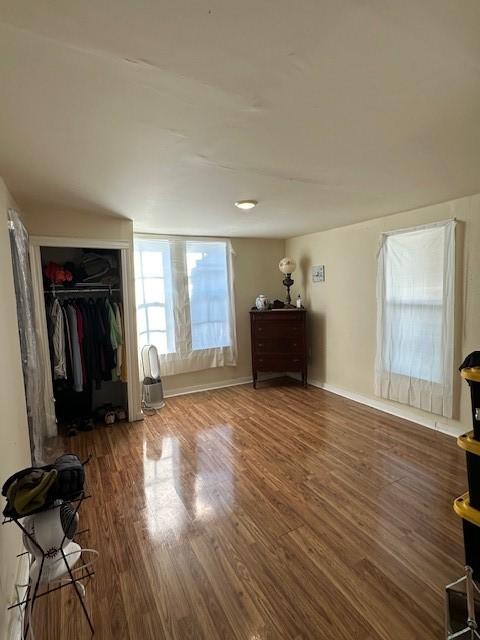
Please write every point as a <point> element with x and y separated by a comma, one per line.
<point>120,414</point>
<point>105,414</point>
<point>110,417</point>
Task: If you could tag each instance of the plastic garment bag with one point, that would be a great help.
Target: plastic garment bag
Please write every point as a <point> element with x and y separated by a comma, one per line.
<point>31,361</point>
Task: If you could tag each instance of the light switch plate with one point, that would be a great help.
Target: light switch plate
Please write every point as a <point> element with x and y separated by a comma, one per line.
<point>318,273</point>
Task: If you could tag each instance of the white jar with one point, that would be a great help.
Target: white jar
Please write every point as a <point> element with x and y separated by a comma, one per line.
<point>261,302</point>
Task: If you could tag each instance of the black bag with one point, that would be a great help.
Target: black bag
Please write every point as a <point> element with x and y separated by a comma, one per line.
<point>71,477</point>
<point>68,485</point>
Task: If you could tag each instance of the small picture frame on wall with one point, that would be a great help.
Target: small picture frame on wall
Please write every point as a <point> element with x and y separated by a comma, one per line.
<point>318,273</point>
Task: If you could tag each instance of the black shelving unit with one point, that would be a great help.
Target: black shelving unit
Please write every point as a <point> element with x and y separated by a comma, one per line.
<point>467,506</point>
<point>35,589</point>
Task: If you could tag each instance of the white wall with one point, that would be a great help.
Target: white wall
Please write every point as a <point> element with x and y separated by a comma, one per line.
<point>70,223</point>
<point>342,310</point>
<point>14,443</point>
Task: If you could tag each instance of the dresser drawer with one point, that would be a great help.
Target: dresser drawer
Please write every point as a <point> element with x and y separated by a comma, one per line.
<point>278,345</point>
<point>279,315</point>
<point>277,329</point>
<point>278,362</point>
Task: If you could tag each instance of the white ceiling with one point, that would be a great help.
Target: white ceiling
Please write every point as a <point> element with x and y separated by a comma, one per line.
<point>327,112</point>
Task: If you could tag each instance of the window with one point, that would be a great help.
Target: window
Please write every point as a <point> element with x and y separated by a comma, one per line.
<point>208,294</point>
<point>185,302</point>
<point>153,291</point>
<point>415,305</point>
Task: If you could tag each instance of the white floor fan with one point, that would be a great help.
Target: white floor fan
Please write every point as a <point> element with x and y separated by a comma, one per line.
<point>152,382</point>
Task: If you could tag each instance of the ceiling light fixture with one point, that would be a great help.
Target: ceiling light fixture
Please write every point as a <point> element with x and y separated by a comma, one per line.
<point>246,204</point>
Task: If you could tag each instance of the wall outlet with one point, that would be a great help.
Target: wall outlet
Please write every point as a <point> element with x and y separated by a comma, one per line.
<point>318,273</point>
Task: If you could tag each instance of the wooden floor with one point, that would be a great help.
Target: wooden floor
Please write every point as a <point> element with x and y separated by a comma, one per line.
<point>280,513</point>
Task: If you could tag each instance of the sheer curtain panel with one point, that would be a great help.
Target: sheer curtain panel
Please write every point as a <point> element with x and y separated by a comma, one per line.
<point>185,302</point>
<point>415,317</point>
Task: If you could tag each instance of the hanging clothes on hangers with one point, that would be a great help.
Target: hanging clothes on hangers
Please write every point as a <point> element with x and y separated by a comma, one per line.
<point>107,358</point>
<point>120,345</point>
<point>86,333</point>
<point>77,358</point>
<point>58,341</point>
<point>115,335</point>
<point>87,341</point>
<point>68,344</point>
<point>81,337</point>
<point>90,345</point>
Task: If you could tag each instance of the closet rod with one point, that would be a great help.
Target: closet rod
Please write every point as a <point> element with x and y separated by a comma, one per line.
<point>83,290</point>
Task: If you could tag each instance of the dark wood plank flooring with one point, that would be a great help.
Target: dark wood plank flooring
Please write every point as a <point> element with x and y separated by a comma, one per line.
<point>280,513</point>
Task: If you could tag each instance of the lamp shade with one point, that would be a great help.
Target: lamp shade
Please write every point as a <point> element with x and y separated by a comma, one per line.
<point>287,265</point>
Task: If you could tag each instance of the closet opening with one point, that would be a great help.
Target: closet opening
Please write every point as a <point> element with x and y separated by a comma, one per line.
<point>85,332</point>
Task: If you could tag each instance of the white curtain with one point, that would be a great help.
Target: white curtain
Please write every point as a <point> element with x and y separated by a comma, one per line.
<point>415,317</point>
<point>185,301</point>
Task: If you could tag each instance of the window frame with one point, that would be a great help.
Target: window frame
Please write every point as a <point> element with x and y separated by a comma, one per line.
<point>167,305</point>
<point>432,394</point>
<point>185,358</point>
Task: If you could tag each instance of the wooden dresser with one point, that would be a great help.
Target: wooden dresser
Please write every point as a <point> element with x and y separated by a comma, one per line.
<point>279,342</point>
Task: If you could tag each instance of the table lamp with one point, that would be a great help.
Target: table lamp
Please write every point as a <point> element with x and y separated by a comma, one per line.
<point>287,266</point>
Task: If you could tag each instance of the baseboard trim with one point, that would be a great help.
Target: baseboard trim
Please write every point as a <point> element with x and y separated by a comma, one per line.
<point>393,409</point>
<point>233,382</point>
<point>197,388</point>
